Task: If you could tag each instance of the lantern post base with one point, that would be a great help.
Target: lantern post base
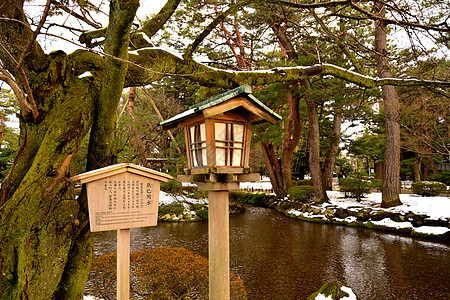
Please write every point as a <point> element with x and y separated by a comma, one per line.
<point>219,245</point>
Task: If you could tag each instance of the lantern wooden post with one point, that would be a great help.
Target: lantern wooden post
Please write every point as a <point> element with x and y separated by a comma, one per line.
<point>219,245</point>
<point>227,120</point>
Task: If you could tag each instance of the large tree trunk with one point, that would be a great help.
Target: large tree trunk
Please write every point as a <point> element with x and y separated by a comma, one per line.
<point>40,217</point>
<point>332,152</point>
<point>391,176</point>
<point>99,154</point>
<point>46,246</point>
<point>418,168</point>
<point>280,169</point>
<point>433,166</point>
<point>274,168</point>
<point>320,195</point>
<point>133,128</point>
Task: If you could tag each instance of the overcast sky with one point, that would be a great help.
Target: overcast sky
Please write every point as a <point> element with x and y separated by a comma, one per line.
<point>67,41</point>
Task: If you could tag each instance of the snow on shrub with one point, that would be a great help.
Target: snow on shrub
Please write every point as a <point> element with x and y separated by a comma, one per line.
<point>428,188</point>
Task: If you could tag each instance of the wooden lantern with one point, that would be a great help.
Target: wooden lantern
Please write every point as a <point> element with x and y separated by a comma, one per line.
<point>218,134</point>
<point>218,131</point>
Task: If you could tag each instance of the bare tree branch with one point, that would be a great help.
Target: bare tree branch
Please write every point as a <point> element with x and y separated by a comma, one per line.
<point>441,27</point>
<point>438,27</point>
<point>2,130</point>
<point>191,48</point>
<point>30,42</point>
<point>76,15</point>
<point>26,50</point>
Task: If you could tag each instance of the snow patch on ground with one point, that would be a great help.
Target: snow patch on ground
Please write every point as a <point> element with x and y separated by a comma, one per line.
<point>264,184</point>
<point>351,295</point>
<point>434,207</point>
<point>165,198</point>
<point>432,230</point>
<point>392,224</point>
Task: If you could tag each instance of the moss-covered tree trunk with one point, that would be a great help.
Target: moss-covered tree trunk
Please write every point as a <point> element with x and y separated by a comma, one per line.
<point>45,243</point>
<point>40,217</point>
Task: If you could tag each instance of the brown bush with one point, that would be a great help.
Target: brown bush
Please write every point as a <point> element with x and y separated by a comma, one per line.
<point>160,273</point>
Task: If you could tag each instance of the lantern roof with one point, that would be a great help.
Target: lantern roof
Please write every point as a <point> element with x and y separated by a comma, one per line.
<point>246,101</point>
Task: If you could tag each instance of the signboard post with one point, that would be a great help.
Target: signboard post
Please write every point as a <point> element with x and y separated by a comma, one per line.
<point>121,197</point>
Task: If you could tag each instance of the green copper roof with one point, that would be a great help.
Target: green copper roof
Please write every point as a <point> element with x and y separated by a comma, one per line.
<point>244,90</point>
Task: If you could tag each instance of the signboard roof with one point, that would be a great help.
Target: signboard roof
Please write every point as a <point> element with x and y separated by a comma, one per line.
<point>118,169</point>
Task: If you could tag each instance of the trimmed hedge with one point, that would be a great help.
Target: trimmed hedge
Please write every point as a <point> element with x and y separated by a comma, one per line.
<point>172,187</point>
<point>301,193</point>
<point>237,196</point>
<point>303,182</point>
<point>428,188</point>
<point>255,199</point>
<point>356,186</point>
<point>171,209</point>
<point>202,213</point>
<point>159,273</point>
<point>443,177</point>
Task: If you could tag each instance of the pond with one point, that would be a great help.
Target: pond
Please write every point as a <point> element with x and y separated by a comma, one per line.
<point>282,258</point>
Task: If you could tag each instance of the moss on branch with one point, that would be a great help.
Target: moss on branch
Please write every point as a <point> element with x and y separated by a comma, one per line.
<point>152,64</point>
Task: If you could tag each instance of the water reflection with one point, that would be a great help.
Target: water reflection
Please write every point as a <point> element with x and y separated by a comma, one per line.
<point>281,258</point>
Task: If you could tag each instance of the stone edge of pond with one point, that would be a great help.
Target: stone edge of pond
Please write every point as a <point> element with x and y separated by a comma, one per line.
<point>192,216</point>
<point>371,218</point>
<point>408,224</point>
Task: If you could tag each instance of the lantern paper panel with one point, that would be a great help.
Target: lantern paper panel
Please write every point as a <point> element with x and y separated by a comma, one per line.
<point>197,135</point>
<point>229,143</point>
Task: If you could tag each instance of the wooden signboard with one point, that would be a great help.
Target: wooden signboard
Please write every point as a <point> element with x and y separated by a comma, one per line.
<point>121,197</point>
<point>123,201</point>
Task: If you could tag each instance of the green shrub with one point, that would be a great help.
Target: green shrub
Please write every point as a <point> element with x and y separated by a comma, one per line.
<point>255,199</point>
<point>428,188</point>
<point>356,185</point>
<point>202,213</point>
<point>190,189</point>
<point>377,184</point>
<point>444,177</point>
<point>172,187</point>
<point>301,193</point>
<point>198,206</point>
<point>172,208</point>
<point>160,273</point>
<point>303,182</point>
<point>237,196</point>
